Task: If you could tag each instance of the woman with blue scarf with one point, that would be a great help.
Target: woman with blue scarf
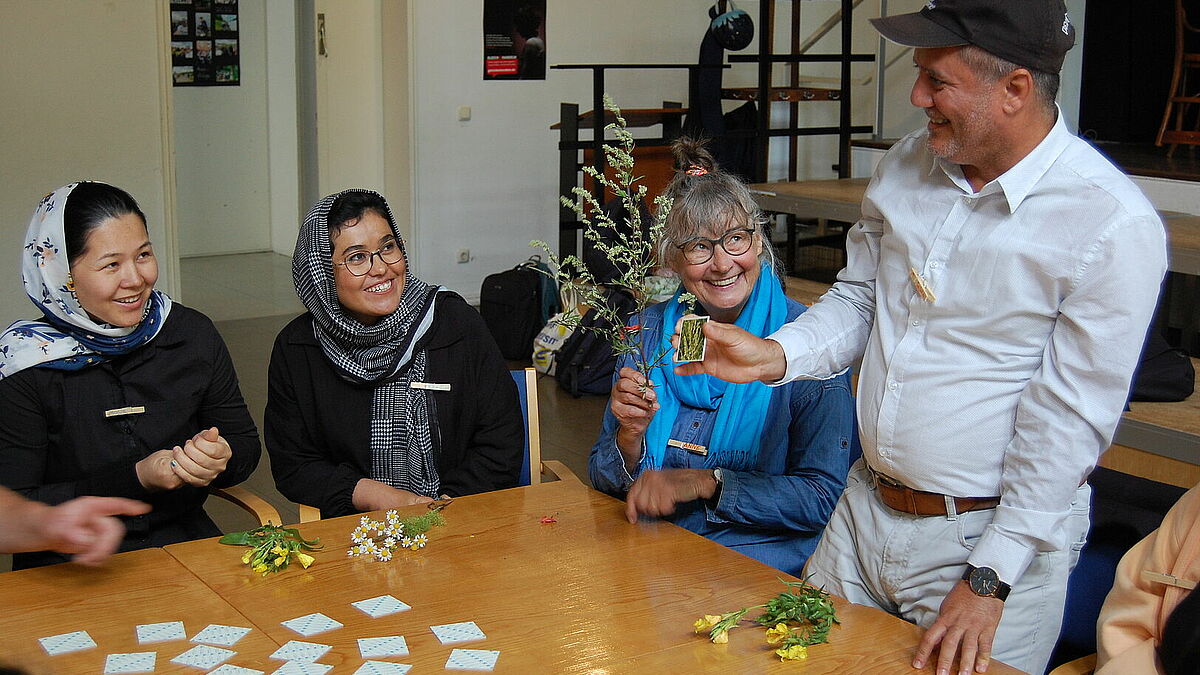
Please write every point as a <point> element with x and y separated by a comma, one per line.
<point>116,391</point>
<point>756,468</point>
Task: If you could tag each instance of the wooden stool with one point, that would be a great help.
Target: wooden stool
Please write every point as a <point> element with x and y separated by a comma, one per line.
<point>1179,97</point>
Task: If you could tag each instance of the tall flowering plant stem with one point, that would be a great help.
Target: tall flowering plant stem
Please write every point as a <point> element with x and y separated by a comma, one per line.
<point>630,246</point>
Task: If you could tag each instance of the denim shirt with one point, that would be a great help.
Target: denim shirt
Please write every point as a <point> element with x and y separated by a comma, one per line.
<point>775,513</point>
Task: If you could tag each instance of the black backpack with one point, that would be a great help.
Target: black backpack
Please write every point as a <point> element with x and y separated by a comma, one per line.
<point>1164,373</point>
<point>586,359</point>
<point>515,306</point>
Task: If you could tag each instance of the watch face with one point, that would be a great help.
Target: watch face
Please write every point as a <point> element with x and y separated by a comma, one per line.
<point>984,581</point>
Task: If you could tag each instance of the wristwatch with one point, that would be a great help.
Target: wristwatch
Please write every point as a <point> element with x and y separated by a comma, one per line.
<point>720,479</point>
<point>985,583</point>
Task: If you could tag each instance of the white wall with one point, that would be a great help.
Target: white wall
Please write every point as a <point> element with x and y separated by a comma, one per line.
<point>282,139</point>
<point>221,152</point>
<point>85,97</point>
<point>491,184</point>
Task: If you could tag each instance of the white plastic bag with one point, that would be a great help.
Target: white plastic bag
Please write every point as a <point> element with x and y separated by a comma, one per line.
<point>552,336</point>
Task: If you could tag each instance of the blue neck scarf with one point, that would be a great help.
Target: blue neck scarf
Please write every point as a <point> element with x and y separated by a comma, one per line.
<point>66,338</point>
<point>741,408</point>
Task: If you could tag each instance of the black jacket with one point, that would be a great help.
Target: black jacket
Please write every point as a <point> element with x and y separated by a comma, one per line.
<point>317,424</point>
<point>56,444</point>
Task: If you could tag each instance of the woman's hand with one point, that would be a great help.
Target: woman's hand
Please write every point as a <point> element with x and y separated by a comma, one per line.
<point>155,474</point>
<point>371,495</point>
<point>655,493</point>
<point>202,458</point>
<point>197,463</point>
<point>633,402</point>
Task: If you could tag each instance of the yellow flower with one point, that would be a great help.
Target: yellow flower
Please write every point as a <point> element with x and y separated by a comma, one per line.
<point>721,637</point>
<point>707,622</point>
<point>793,653</point>
<point>305,560</point>
<point>279,550</point>
<point>261,567</point>
<point>280,560</point>
<point>778,633</point>
<point>246,557</point>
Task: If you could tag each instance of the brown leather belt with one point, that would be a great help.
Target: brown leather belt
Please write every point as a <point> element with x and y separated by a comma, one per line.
<point>900,497</point>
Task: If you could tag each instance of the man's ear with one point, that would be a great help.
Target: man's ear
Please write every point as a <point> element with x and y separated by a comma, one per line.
<point>1018,91</point>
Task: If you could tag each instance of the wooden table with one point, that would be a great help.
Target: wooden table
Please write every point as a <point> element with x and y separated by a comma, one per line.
<point>147,586</point>
<point>588,593</point>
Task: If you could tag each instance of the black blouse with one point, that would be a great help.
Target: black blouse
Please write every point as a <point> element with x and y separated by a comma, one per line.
<point>57,444</point>
<point>317,424</point>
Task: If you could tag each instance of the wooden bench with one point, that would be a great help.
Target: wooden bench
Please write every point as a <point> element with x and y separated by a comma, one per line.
<point>1160,441</point>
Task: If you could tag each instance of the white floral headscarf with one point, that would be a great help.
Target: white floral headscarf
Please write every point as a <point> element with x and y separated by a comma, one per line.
<point>65,338</point>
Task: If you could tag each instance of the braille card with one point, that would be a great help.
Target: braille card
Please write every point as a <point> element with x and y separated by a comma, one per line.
<point>138,662</point>
<point>160,632</point>
<point>380,606</point>
<point>203,657</point>
<point>472,659</point>
<point>67,642</point>
<point>394,645</point>
<point>303,652</point>
<point>230,669</point>
<point>311,624</point>
<point>224,636</point>
<point>302,668</point>
<point>451,633</point>
<point>382,668</point>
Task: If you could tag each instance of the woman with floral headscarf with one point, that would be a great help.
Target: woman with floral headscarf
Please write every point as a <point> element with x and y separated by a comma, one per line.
<point>389,391</point>
<point>116,390</point>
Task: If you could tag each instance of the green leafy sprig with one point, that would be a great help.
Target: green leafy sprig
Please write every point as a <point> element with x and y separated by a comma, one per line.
<point>629,248</point>
<point>799,617</point>
<point>805,605</point>
<point>273,547</point>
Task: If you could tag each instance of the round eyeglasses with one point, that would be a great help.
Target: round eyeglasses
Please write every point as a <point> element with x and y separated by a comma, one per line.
<point>699,250</point>
<point>359,263</point>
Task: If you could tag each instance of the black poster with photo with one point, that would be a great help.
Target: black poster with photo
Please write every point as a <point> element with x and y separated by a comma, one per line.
<point>514,39</point>
<point>204,43</point>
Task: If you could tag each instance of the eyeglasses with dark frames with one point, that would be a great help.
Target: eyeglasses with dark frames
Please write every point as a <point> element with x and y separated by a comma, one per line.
<point>699,250</point>
<point>359,263</point>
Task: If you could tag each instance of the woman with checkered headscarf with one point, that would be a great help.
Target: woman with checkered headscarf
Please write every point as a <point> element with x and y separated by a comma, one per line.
<point>389,391</point>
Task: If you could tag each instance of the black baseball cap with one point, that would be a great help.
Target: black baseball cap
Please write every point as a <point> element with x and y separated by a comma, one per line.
<point>1035,34</point>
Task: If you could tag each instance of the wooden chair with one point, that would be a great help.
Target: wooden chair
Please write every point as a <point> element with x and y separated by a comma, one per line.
<point>526,381</point>
<point>1085,665</point>
<point>250,502</point>
<point>1182,95</point>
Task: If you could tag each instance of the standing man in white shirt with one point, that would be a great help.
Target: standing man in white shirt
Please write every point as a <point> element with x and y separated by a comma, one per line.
<point>997,289</point>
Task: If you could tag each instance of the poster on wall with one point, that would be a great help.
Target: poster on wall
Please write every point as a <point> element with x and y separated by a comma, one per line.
<point>204,43</point>
<point>514,39</point>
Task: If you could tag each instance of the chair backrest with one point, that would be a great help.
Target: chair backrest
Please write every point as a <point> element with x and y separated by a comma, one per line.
<point>531,466</point>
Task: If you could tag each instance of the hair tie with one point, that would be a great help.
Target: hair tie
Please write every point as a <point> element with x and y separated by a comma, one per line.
<point>696,170</point>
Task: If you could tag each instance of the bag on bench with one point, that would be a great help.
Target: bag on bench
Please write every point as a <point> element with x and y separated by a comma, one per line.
<point>1164,374</point>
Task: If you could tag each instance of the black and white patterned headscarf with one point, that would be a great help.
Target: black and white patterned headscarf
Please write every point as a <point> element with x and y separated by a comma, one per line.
<point>384,354</point>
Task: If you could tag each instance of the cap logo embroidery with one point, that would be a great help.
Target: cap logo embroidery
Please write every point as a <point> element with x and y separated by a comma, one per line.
<point>932,4</point>
<point>1066,27</point>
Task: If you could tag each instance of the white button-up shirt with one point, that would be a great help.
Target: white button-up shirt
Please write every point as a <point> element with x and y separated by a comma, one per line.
<point>1010,378</point>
